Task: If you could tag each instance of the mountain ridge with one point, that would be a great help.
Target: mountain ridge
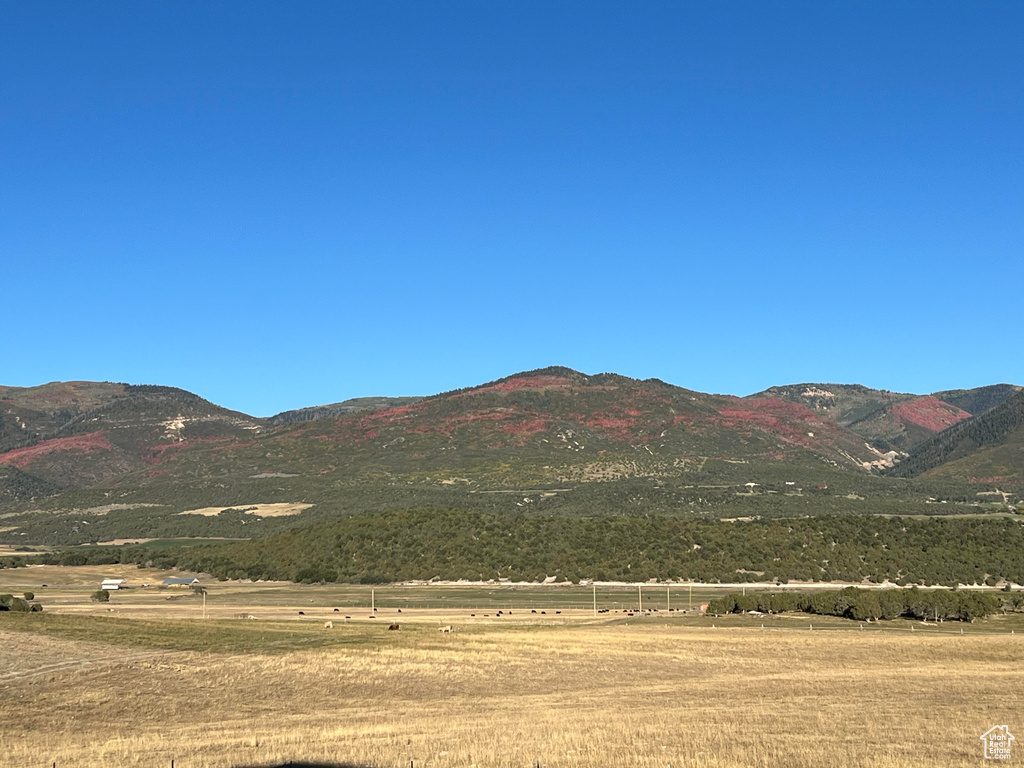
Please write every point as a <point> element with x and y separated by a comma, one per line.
<point>550,439</point>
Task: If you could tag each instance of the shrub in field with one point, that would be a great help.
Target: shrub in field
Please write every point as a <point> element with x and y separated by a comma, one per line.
<point>17,604</point>
<point>101,596</point>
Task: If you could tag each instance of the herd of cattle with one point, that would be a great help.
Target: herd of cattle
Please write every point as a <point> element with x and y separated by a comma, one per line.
<point>448,628</point>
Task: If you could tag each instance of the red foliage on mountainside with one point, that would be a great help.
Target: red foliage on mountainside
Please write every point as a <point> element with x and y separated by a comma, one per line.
<point>789,421</point>
<point>529,426</point>
<point>539,382</point>
<point>522,427</point>
<point>929,412</point>
<point>157,454</point>
<point>617,427</point>
<point>526,382</point>
<point>91,443</point>
<point>451,423</point>
<point>389,415</point>
<point>634,414</point>
<point>626,416</point>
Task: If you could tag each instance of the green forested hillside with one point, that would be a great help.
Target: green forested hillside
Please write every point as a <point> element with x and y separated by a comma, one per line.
<point>336,410</point>
<point>980,399</point>
<point>969,442</point>
<point>18,486</point>
<point>453,544</point>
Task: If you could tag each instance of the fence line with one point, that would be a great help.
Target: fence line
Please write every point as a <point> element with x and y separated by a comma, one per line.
<point>879,629</point>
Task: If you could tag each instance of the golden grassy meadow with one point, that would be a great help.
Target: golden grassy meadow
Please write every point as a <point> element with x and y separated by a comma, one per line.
<point>137,688</point>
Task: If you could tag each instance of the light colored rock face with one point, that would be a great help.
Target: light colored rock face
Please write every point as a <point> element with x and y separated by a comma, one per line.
<point>815,392</point>
<point>884,460</point>
<point>173,428</point>
<point>259,510</point>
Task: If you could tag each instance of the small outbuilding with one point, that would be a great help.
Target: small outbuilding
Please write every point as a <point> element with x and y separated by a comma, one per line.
<point>113,584</point>
<point>180,581</point>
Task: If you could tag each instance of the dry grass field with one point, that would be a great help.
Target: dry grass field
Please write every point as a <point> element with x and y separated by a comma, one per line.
<point>149,683</point>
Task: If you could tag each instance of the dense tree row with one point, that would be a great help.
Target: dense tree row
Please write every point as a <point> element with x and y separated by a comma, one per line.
<point>872,604</point>
<point>450,544</point>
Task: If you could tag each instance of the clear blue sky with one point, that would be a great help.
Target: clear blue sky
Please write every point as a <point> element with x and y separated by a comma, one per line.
<point>277,205</point>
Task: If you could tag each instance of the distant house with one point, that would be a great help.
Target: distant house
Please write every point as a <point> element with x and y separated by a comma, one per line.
<point>111,584</point>
<point>180,581</point>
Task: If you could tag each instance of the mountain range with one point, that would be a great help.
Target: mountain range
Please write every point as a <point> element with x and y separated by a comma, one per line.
<point>84,461</point>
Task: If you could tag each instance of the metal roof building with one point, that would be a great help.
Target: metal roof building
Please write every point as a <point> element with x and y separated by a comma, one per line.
<point>180,581</point>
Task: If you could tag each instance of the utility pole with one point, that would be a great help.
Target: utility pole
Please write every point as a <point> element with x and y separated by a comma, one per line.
<point>640,595</point>
<point>204,603</point>
<point>668,597</point>
<point>691,595</point>
<point>373,602</point>
<point>595,599</point>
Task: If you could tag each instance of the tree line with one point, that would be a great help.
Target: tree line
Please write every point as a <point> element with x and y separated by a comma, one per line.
<point>873,604</point>
<point>447,544</point>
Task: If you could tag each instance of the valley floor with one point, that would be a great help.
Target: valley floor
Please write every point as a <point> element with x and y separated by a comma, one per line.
<point>140,689</point>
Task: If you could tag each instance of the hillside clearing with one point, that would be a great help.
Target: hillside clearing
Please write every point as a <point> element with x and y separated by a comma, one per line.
<point>281,509</point>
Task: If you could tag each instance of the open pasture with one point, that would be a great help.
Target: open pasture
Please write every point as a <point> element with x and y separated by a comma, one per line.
<point>67,590</point>
<point>153,681</point>
<point>575,694</point>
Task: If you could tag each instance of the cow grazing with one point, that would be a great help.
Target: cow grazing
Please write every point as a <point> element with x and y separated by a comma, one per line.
<point>337,611</point>
<point>392,626</point>
<point>302,613</point>
<point>328,625</point>
<point>399,610</point>
<point>446,630</point>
